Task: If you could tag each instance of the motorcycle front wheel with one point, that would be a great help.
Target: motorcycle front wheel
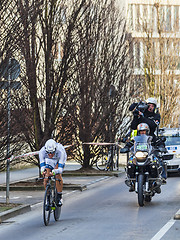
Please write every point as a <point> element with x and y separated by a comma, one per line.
<point>140,190</point>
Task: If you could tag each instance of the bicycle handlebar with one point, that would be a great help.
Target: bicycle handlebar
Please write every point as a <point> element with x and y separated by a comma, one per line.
<point>50,178</point>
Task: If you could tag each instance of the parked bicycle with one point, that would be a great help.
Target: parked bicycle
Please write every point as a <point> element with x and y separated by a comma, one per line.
<point>50,200</point>
<point>108,160</point>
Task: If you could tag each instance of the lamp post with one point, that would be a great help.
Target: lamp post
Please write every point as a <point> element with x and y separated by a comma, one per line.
<point>8,133</point>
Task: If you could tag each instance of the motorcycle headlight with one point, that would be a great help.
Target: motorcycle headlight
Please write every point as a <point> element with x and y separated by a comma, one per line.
<point>141,156</point>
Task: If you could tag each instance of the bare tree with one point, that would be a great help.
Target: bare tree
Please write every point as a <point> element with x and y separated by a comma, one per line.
<point>81,96</point>
<point>42,101</point>
<point>9,37</point>
<point>100,86</point>
<point>161,61</point>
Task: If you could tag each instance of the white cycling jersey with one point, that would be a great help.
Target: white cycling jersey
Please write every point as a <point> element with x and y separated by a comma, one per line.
<point>59,158</point>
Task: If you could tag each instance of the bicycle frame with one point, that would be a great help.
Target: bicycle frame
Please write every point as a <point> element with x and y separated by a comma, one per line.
<point>50,200</point>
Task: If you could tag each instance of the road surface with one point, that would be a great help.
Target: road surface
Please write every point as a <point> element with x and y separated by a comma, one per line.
<point>105,211</point>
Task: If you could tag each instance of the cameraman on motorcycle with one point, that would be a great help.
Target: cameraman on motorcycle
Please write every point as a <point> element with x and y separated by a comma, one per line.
<point>148,116</point>
<point>145,113</point>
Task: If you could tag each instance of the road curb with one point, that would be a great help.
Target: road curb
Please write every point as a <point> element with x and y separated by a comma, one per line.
<point>100,173</point>
<point>41,188</point>
<point>15,186</point>
<point>14,212</point>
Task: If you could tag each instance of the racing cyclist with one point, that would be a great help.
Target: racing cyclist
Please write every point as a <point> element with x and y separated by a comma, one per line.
<point>52,158</point>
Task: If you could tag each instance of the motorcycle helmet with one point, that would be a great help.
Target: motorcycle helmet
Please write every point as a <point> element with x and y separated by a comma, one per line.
<point>143,127</point>
<point>152,100</point>
<point>50,146</point>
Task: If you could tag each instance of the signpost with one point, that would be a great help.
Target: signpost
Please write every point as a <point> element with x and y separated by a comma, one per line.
<point>10,70</point>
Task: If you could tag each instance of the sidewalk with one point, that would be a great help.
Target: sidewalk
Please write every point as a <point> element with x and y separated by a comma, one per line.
<point>27,198</point>
<point>16,175</point>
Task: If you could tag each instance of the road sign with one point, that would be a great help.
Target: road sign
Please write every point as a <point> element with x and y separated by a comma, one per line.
<point>10,69</point>
<point>13,85</point>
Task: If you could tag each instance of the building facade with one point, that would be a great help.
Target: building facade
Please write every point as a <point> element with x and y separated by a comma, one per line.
<point>154,28</point>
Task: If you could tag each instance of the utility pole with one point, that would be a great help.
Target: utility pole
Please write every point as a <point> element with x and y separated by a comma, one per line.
<point>10,70</point>
<point>111,96</point>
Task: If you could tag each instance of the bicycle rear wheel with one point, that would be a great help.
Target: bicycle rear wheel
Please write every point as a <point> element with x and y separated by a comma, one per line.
<point>47,203</point>
<point>102,162</point>
<point>57,210</point>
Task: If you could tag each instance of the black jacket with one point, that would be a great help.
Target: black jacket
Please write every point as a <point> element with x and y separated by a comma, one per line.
<point>151,118</point>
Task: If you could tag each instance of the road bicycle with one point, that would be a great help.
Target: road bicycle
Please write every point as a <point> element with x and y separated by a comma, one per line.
<point>108,160</point>
<point>50,200</point>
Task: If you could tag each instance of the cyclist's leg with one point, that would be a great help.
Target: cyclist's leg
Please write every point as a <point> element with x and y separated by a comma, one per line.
<point>46,175</point>
<point>59,187</point>
<point>47,199</point>
<point>59,184</point>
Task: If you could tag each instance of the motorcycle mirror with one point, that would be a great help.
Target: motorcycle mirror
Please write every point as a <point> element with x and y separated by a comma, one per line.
<point>163,149</point>
<point>163,138</point>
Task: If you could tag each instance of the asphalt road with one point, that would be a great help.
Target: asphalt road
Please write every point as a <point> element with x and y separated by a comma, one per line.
<point>105,211</point>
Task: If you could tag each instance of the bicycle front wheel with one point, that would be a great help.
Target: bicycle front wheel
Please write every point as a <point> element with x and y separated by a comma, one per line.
<point>47,206</point>
<point>57,210</point>
<point>102,162</point>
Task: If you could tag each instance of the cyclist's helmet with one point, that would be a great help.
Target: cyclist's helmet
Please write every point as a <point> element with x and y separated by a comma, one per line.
<point>152,100</point>
<point>142,127</point>
<point>50,146</point>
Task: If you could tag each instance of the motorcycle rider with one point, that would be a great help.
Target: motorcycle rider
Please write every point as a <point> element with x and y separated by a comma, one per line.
<point>142,129</point>
<point>150,117</point>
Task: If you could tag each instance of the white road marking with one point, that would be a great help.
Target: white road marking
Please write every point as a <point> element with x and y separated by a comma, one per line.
<point>29,196</point>
<point>165,228</point>
<point>98,180</point>
<point>10,197</point>
<point>14,197</point>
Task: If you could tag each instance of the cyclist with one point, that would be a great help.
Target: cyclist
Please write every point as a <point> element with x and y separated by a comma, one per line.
<point>52,158</point>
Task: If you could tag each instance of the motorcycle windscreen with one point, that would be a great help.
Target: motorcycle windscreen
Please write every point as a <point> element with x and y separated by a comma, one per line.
<point>142,143</point>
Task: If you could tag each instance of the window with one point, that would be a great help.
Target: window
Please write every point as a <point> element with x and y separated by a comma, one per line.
<point>162,17</point>
<point>176,18</point>
<point>145,17</point>
<point>168,19</point>
<point>172,140</point>
<point>154,18</point>
<point>137,55</point>
<point>131,17</point>
<point>137,18</point>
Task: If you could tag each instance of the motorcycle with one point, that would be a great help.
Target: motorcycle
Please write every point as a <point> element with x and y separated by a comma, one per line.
<point>144,169</point>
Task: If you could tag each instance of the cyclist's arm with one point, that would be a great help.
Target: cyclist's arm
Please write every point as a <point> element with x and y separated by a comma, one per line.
<point>42,159</point>
<point>62,160</point>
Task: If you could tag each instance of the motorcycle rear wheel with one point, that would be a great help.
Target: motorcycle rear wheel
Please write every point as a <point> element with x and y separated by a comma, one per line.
<point>140,190</point>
